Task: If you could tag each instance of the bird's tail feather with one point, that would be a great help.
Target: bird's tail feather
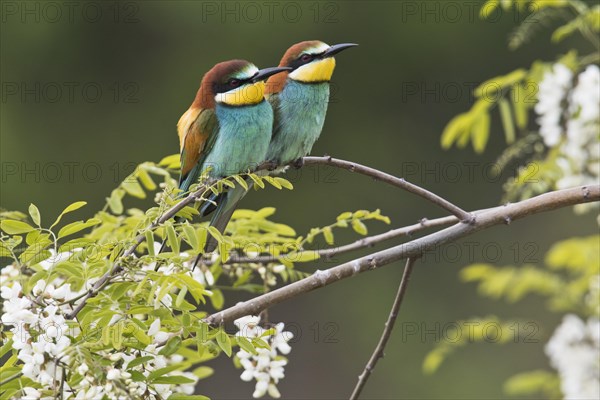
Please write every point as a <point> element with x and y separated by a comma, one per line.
<point>226,205</point>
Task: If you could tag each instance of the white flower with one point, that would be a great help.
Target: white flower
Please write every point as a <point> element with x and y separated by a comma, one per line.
<point>279,268</point>
<point>83,369</point>
<point>248,326</point>
<point>154,327</point>
<point>113,374</point>
<point>266,366</point>
<point>573,351</point>
<point>281,338</point>
<point>39,287</point>
<point>262,384</point>
<point>204,276</point>
<point>576,136</point>
<point>552,91</point>
<point>56,258</point>
<point>31,393</point>
<point>11,292</point>
<point>161,337</point>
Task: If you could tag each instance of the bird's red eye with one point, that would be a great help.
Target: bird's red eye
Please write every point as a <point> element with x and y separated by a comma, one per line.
<point>234,82</point>
<point>305,57</point>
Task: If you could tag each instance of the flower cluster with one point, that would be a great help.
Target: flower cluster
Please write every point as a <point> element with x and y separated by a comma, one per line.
<point>42,340</point>
<point>573,350</point>
<point>40,332</point>
<point>569,118</point>
<point>266,365</point>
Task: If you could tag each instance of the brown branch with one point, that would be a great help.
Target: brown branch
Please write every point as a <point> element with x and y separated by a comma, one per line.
<point>461,214</point>
<point>399,182</point>
<point>483,219</point>
<point>387,331</point>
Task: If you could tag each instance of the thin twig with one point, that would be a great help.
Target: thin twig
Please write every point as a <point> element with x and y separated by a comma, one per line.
<point>387,331</point>
<point>461,214</point>
<point>483,219</point>
<point>331,252</point>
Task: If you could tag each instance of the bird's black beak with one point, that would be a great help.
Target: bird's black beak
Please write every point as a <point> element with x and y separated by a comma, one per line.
<point>267,72</point>
<point>336,48</point>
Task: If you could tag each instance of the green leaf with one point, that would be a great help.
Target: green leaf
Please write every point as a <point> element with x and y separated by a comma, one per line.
<point>150,242</point>
<point>241,181</point>
<point>507,121</point>
<point>141,336</point>
<point>359,227</point>
<point>115,201</point>
<point>146,179</point>
<point>139,361</point>
<point>214,232</point>
<point>202,234</point>
<point>78,243</point>
<point>133,187</point>
<point>171,347</point>
<point>328,235</point>
<point>224,342</point>
<point>172,380</point>
<point>14,227</point>
<point>163,371</point>
<point>520,106</point>
<point>217,300</point>
<point>284,183</point>
<point>489,88</point>
<point>344,216</point>
<point>203,372</point>
<point>488,8</point>
<point>172,238</point>
<point>302,256</point>
<point>187,397</point>
<point>533,382</point>
<point>77,226</point>
<point>70,208</point>
<point>6,348</point>
<point>5,251</point>
<point>257,180</point>
<point>172,161</point>
<point>246,345</point>
<point>273,182</point>
<point>455,129</point>
<point>181,296</point>
<point>35,214</point>
<point>481,132</point>
<point>191,236</point>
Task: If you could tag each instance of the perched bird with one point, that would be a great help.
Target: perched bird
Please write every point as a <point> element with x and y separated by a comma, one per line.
<point>300,98</point>
<point>226,131</point>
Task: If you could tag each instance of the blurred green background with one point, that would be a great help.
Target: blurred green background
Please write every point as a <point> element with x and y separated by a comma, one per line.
<point>91,90</point>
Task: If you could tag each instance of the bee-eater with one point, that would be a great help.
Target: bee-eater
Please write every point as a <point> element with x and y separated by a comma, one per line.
<point>299,98</point>
<point>226,130</point>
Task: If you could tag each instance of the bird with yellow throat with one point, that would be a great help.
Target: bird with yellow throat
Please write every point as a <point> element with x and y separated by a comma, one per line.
<point>299,98</point>
<point>226,130</point>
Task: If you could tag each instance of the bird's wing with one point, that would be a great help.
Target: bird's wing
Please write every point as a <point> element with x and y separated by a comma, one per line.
<point>273,99</point>
<point>197,129</point>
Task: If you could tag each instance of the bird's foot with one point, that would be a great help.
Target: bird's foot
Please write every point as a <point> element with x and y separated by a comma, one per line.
<point>299,163</point>
<point>269,165</point>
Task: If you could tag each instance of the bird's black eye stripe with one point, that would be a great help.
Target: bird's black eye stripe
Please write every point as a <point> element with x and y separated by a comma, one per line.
<point>301,60</point>
<point>231,83</point>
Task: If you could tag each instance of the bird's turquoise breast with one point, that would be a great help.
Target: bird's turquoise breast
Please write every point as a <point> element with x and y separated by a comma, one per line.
<point>300,110</point>
<point>242,139</point>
